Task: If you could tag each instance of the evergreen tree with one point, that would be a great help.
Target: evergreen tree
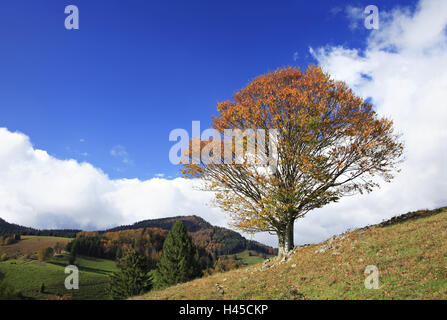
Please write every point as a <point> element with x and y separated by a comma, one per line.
<point>133,277</point>
<point>73,252</point>
<point>179,259</point>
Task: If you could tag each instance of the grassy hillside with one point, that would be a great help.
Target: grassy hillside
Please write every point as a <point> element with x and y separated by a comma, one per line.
<point>410,253</point>
<point>247,258</point>
<point>30,244</point>
<point>27,275</point>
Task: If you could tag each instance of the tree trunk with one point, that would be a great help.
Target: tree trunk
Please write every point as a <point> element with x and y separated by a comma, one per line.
<point>285,240</point>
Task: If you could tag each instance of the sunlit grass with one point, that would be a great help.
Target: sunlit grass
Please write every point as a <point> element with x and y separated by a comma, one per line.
<point>411,257</point>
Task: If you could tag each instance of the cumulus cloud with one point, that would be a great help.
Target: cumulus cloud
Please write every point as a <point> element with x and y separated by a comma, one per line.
<point>403,70</point>
<point>355,16</point>
<point>42,191</point>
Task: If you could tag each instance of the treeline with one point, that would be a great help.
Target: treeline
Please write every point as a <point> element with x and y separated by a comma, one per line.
<point>216,240</point>
<point>221,241</point>
<point>44,233</point>
<point>211,243</point>
<point>179,262</point>
<point>11,228</point>
<point>191,223</point>
<point>111,245</point>
<point>63,233</point>
<point>7,238</point>
<point>147,242</point>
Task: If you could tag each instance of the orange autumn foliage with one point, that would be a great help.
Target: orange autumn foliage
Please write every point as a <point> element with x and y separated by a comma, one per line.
<point>331,143</point>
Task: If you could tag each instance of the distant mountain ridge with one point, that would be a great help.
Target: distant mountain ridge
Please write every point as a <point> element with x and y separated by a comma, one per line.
<point>192,223</point>
<point>12,228</point>
<point>216,240</point>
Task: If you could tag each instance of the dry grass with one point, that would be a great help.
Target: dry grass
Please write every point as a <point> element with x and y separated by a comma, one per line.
<point>411,257</point>
<point>30,244</point>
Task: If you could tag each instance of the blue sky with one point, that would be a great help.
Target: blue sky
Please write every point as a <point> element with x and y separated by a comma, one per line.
<point>135,70</point>
<point>108,95</point>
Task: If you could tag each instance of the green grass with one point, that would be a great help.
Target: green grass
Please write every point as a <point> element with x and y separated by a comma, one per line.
<point>246,259</point>
<point>30,244</point>
<point>411,257</point>
<point>27,276</point>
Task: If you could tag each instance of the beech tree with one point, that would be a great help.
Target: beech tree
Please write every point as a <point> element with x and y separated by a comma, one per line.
<point>45,254</point>
<point>330,143</point>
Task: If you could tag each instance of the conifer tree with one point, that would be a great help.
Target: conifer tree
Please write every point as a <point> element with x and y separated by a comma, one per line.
<point>179,259</point>
<point>73,252</point>
<point>133,277</point>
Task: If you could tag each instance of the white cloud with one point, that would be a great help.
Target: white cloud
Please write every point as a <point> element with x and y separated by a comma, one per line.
<point>121,153</point>
<point>403,69</point>
<point>355,16</point>
<point>296,56</point>
<point>39,190</point>
<point>335,10</point>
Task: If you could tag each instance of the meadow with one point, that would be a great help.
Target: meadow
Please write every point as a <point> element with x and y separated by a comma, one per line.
<point>247,257</point>
<point>30,244</point>
<point>410,255</point>
<point>27,276</point>
<point>409,251</point>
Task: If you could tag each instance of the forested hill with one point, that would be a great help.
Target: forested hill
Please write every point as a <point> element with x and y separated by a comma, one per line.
<point>216,240</point>
<point>192,224</point>
<point>7,228</point>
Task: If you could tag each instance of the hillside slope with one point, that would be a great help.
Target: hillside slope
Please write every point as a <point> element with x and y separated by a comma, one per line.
<point>31,244</point>
<point>409,251</point>
<point>27,275</point>
<point>6,227</point>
